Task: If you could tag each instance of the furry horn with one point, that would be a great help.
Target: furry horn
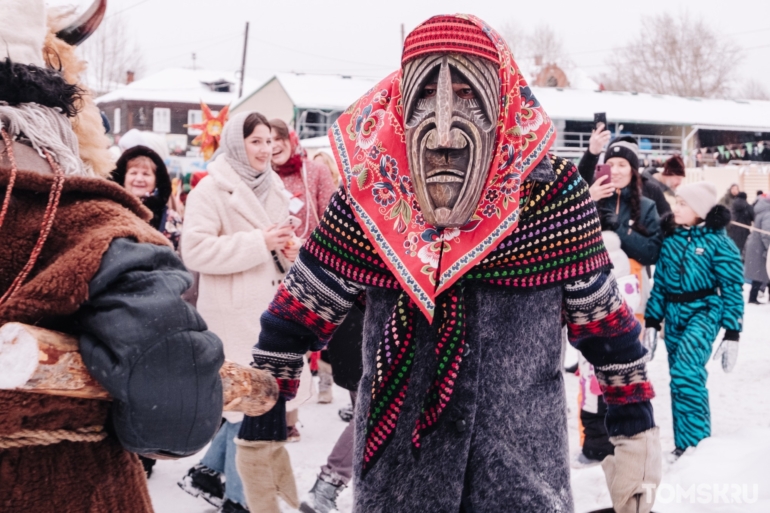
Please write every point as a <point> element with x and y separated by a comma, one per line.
<point>82,28</point>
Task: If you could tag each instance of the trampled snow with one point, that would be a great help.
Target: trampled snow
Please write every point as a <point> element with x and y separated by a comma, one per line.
<point>732,465</point>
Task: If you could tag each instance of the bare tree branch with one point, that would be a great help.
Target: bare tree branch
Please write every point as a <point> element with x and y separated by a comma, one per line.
<point>681,56</point>
<point>111,52</point>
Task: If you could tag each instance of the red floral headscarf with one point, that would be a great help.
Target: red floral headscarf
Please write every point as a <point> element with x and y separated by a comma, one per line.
<point>369,145</point>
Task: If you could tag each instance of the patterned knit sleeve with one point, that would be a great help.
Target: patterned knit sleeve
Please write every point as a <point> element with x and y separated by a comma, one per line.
<point>603,328</point>
<point>729,272</point>
<point>310,304</point>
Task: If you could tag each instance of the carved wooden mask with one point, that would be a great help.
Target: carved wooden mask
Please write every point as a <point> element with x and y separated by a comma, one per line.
<point>451,105</point>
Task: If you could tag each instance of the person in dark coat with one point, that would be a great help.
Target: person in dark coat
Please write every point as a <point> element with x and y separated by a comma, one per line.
<point>742,213</point>
<point>756,249</point>
<point>144,174</point>
<point>650,188</point>
<point>669,180</point>
<point>638,222</point>
<point>730,195</point>
<point>461,405</point>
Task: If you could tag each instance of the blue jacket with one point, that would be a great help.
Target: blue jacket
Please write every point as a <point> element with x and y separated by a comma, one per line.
<point>696,259</point>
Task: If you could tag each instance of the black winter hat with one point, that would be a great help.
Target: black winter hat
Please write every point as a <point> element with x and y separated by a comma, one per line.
<point>625,147</point>
<point>162,178</point>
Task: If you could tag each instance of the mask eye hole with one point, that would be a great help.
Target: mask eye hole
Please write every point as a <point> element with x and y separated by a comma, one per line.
<point>429,91</point>
<point>464,91</point>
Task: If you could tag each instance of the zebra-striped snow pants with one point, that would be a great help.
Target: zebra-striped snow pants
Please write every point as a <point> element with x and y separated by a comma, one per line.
<point>691,329</point>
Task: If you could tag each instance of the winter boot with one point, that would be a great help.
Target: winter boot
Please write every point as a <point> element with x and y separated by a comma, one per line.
<point>322,498</point>
<point>232,507</point>
<point>326,382</point>
<point>205,483</point>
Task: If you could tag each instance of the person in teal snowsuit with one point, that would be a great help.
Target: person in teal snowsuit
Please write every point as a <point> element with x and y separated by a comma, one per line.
<point>698,290</point>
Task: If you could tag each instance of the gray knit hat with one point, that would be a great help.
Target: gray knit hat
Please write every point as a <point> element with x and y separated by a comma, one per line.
<point>624,147</point>
<point>700,196</point>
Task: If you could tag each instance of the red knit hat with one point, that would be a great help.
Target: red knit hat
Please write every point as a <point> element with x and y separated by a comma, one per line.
<point>674,166</point>
<point>448,34</point>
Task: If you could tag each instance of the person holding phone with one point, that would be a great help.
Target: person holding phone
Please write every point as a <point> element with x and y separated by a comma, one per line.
<point>238,235</point>
<point>624,209</point>
<point>600,136</point>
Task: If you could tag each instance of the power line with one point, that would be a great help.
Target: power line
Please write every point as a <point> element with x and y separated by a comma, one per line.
<point>129,7</point>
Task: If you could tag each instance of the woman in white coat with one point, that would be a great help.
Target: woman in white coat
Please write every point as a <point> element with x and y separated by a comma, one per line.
<point>235,235</point>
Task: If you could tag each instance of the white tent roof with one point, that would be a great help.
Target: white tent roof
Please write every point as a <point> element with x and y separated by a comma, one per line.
<point>333,92</point>
<point>178,85</point>
<point>580,105</point>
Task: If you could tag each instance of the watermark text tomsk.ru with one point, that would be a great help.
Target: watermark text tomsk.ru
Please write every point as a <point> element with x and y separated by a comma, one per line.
<point>703,493</point>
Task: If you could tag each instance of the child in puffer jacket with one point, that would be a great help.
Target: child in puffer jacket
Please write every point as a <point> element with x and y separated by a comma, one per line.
<point>698,290</point>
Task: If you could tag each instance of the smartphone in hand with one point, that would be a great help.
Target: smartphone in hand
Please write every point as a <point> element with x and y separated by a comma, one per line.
<point>290,222</point>
<point>601,117</point>
<point>603,170</point>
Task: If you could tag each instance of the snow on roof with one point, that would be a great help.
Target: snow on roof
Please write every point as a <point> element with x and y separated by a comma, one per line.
<point>332,92</point>
<point>580,105</point>
<point>178,85</point>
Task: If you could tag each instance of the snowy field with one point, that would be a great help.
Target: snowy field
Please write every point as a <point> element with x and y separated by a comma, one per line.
<point>733,465</point>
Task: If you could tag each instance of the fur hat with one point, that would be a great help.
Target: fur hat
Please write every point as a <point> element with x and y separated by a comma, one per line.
<point>22,31</point>
<point>674,166</point>
<point>700,197</point>
<point>624,147</point>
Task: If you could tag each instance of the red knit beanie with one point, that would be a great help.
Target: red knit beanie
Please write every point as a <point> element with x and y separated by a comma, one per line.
<point>448,34</point>
<point>674,166</point>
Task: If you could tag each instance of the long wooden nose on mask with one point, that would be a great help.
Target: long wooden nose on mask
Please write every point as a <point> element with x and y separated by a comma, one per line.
<point>444,106</point>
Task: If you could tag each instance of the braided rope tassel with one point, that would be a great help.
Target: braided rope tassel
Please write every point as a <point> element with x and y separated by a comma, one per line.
<point>48,220</point>
<point>12,179</point>
<point>29,438</point>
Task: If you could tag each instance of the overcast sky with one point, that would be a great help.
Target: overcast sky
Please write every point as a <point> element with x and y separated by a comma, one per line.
<point>362,37</point>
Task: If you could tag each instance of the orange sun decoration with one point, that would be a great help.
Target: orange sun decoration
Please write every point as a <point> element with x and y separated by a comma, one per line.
<point>211,130</point>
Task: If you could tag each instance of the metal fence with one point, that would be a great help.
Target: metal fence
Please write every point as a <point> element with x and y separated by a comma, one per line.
<point>572,144</point>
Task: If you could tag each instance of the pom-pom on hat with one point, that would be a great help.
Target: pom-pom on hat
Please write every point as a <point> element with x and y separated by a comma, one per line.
<point>448,34</point>
<point>700,197</point>
<point>674,166</point>
<point>624,147</point>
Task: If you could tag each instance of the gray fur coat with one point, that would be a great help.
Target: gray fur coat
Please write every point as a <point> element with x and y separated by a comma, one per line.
<point>503,439</point>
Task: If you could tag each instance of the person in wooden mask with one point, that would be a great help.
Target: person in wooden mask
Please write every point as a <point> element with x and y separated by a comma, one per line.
<point>451,107</point>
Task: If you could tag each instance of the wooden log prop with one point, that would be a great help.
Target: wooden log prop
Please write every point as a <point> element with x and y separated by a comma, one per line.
<point>42,361</point>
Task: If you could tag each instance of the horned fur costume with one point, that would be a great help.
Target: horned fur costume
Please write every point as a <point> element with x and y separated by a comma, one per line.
<point>77,256</point>
<point>470,244</point>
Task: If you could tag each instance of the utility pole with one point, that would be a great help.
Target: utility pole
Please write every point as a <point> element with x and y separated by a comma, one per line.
<point>402,35</point>
<point>243,60</point>
<point>193,61</point>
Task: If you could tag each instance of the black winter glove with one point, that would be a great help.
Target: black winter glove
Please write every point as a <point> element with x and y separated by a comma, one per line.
<point>609,220</point>
<point>667,224</point>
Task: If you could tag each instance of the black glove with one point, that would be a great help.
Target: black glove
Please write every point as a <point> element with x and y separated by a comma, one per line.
<point>609,220</point>
<point>668,224</point>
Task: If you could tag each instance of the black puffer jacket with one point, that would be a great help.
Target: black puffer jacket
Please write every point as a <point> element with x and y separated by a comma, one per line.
<point>151,351</point>
<point>642,248</point>
<point>650,188</point>
<point>742,213</point>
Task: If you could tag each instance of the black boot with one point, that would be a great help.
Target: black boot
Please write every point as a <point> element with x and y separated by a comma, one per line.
<point>232,507</point>
<point>322,498</point>
<point>205,483</point>
<point>754,292</point>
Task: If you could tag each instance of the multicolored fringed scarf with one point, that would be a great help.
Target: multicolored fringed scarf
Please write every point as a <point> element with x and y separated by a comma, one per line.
<point>368,142</point>
<point>558,239</point>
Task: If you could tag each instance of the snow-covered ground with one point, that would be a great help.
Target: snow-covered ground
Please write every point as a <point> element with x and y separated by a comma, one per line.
<point>732,465</point>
